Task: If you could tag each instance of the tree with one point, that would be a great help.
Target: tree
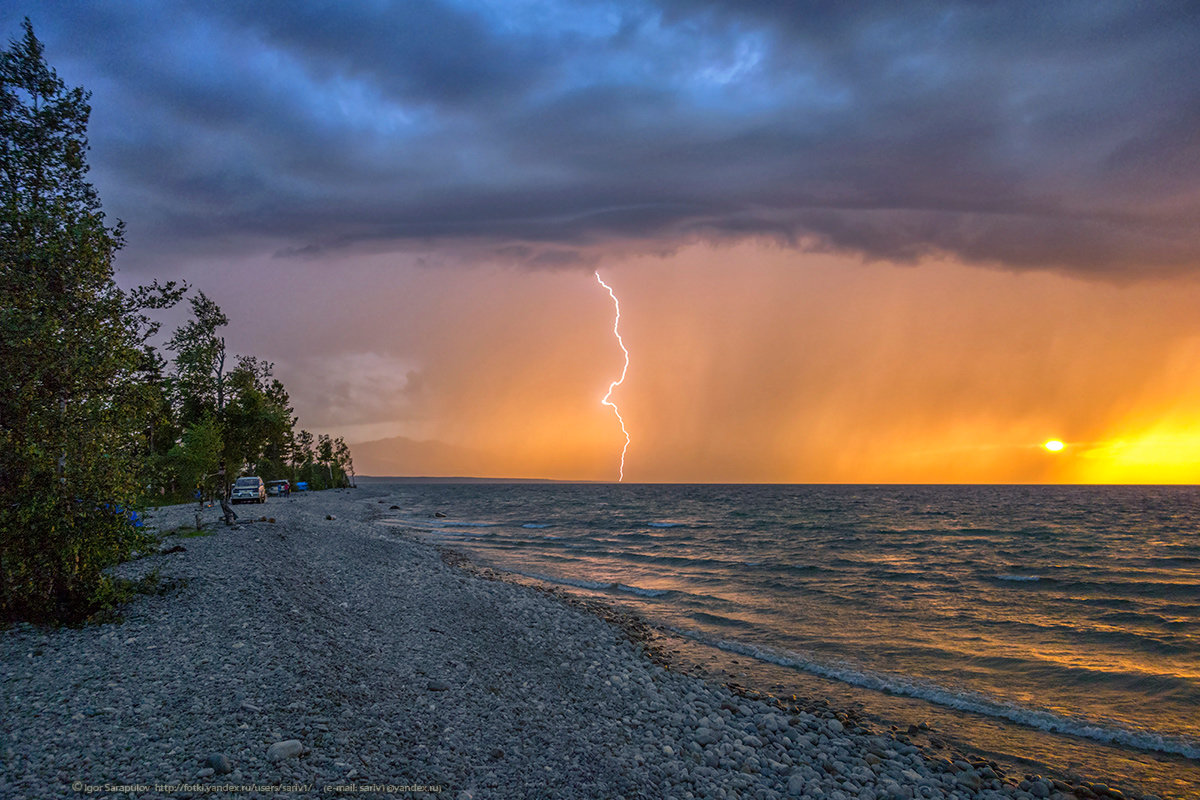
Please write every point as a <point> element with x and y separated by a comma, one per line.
<point>325,457</point>
<point>253,419</point>
<point>200,360</point>
<point>278,450</point>
<point>302,450</point>
<point>72,352</point>
<point>198,453</point>
<point>343,459</point>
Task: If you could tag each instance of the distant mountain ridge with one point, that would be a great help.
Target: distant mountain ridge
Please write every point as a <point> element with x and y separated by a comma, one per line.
<point>400,455</point>
<point>454,479</point>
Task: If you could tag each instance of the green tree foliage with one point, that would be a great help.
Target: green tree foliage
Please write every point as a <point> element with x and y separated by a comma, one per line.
<point>254,420</point>
<point>91,417</point>
<point>343,460</point>
<point>302,451</point>
<point>200,378</point>
<point>73,408</point>
<point>252,407</point>
<point>198,454</point>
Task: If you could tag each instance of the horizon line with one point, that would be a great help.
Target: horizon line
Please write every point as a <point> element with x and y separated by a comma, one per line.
<point>478,479</point>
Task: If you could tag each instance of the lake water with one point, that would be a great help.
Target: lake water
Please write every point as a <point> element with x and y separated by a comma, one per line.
<point>1056,628</point>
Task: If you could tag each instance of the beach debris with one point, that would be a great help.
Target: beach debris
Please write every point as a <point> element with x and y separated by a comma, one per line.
<point>284,749</point>
<point>393,508</point>
<point>176,549</point>
<point>438,686</point>
<point>218,763</point>
<point>247,706</point>
<point>439,515</point>
<point>330,517</point>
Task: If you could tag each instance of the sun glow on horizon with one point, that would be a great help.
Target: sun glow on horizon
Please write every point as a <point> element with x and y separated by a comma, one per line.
<point>1054,446</point>
<point>754,375</point>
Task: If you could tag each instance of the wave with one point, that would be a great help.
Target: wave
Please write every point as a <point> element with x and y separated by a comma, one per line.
<point>961,700</point>
<point>438,528</point>
<point>1021,578</point>
<point>424,522</point>
<point>597,586</point>
<point>665,524</point>
<point>719,619</point>
<point>535,525</point>
<point>638,590</point>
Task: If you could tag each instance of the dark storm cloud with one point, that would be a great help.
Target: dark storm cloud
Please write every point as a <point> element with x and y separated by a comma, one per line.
<point>1021,134</point>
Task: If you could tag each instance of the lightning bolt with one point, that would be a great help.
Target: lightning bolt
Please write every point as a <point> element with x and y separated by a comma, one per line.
<point>606,401</point>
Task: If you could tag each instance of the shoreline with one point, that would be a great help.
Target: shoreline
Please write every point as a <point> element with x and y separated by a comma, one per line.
<point>682,655</point>
<point>671,651</point>
<point>320,650</point>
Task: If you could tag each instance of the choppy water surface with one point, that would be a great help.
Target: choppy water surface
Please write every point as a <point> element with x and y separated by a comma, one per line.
<point>1010,614</point>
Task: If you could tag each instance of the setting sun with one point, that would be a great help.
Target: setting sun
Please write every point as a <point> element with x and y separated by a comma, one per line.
<point>1054,445</point>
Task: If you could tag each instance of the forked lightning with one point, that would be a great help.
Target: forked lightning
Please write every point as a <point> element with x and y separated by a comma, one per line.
<point>606,401</point>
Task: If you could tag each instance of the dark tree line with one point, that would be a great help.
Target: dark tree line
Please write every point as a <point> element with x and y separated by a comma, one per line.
<point>212,409</point>
<point>93,421</point>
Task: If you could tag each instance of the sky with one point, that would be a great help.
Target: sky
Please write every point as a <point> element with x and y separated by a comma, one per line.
<point>852,242</point>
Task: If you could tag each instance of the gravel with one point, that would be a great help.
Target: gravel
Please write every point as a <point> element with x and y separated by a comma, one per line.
<point>320,652</point>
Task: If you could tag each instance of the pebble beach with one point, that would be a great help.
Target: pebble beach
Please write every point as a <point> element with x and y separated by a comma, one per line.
<point>311,651</point>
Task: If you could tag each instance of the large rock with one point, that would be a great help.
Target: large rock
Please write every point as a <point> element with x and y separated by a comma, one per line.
<point>969,778</point>
<point>219,764</point>
<point>282,750</point>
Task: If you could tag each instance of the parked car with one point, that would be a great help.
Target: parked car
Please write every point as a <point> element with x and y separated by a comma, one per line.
<point>278,488</point>
<point>249,489</point>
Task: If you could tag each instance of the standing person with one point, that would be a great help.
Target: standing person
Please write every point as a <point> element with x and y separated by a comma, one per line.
<point>199,503</point>
<point>226,507</point>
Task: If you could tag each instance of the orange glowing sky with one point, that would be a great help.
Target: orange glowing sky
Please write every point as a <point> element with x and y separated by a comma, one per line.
<point>754,363</point>
<point>853,242</point>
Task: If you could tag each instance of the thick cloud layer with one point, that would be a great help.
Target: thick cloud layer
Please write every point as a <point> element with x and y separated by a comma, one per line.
<point>1050,135</point>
